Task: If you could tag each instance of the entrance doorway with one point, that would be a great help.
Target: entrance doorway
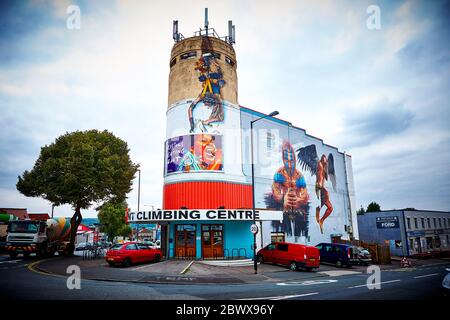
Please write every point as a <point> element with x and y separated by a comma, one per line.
<point>185,241</point>
<point>212,241</point>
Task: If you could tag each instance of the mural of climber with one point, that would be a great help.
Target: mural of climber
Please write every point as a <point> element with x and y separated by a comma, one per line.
<point>211,77</point>
<point>323,169</point>
<point>199,152</point>
<point>289,194</point>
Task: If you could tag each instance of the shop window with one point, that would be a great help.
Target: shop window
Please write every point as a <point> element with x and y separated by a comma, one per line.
<point>229,61</point>
<point>188,55</point>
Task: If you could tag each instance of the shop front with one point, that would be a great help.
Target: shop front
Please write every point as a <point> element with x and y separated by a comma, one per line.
<point>206,234</point>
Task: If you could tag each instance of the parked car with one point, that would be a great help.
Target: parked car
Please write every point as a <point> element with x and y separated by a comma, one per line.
<point>364,256</point>
<point>338,254</point>
<point>293,255</point>
<point>446,284</point>
<point>83,246</point>
<point>128,253</point>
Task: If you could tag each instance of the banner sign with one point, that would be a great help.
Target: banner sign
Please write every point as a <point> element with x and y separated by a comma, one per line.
<point>213,214</point>
<point>387,222</point>
<point>198,152</point>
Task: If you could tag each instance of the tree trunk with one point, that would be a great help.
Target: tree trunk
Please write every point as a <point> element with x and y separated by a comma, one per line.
<point>74,223</point>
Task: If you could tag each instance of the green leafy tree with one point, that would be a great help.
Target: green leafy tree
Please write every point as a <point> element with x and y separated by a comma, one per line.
<point>112,219</point>
<point>361,211</point>
<point>80,168</point>
<point>373,207</point>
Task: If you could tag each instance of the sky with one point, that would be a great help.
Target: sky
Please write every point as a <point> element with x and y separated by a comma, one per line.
<point>381,95</point>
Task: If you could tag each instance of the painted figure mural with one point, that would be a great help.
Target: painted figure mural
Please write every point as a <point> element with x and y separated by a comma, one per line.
<point>197,152</point>
<point>211,77</point>
<point>290,195</point>
<point>323,169</point>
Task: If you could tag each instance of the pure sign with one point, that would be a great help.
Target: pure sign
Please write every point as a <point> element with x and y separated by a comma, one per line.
<point>387,222</point>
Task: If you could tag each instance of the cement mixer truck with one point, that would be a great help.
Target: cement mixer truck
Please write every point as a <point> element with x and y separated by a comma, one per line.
<point>41,237</point>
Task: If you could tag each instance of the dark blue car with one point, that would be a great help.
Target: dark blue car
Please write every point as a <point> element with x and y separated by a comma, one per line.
<point>338,254</point>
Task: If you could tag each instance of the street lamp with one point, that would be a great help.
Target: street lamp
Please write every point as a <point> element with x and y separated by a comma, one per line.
<point>139,200</point>
<point>272,114</point>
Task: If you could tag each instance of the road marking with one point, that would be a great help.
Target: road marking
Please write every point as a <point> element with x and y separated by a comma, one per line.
<point>10,261</point>
<point>187,268</point>
<point>282,297</point>
<point>305,283</point>
<point>426,275</point>
<point>373,284</point>
<point>338,273</point>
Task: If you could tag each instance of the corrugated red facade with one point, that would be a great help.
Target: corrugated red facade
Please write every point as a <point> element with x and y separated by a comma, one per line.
<point>207,195</point>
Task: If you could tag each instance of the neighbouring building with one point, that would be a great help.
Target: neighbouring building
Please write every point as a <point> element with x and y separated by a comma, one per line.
<point>20,213</point>
<point>304,190</point>
<point>38,216</point>
<point>406,231</point>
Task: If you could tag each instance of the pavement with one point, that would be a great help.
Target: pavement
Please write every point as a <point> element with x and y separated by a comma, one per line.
<point>196,272</point>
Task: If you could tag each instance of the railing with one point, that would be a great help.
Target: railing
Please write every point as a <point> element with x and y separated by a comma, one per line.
<point>93,252</point>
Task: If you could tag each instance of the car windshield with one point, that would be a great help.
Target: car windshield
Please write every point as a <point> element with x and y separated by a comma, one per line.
<point>116,247</point>
<point>23,227</point>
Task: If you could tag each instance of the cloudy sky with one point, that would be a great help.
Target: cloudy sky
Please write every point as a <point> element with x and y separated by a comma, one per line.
<point>381,95</point>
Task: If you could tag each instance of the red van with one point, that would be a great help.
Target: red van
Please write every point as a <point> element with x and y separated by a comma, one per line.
<point>290,254</point>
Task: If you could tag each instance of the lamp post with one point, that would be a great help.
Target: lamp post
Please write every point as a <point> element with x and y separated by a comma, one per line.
<point>139,200</point>
<point>272,114</point>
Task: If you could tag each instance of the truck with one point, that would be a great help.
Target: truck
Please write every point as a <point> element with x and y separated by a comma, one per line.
<point>43,237</point>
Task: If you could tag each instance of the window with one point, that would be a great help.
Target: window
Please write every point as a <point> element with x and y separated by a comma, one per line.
<point>445,223</point>
<point>229,61</point>
<point>143,247</point>
<point>408,222</point>
<point>440,222</point>
<point>216,55</point>
<point>429,222</point>
<point>270,247</point>
<point>328,248</point>
<point>415,223</point>
<point>282,247</point>
<point>319,247</point>
<point>188,55</point>
<point>172,63</point>
<point>434,223</point>
<point>422,220</point>
<point>131,247</point>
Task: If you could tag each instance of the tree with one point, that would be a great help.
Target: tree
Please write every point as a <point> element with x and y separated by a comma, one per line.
<point>80,168</point>
<point>373,207</point>
<point>112,219</point>
<point>361,211</point>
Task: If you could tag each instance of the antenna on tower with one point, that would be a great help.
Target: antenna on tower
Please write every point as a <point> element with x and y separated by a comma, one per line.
<point>175,34</point>
<point>231,32</point>
<point>206,21</point>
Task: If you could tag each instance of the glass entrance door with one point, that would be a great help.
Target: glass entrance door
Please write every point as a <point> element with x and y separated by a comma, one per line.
<point>212,241</point>
<point>185,241</point>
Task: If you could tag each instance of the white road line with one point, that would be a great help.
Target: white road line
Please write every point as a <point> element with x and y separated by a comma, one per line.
<point>373,284</point>
<point>282,297</point>
<point>426,275</point>
<point>187,267</point>
<point>10,261</point>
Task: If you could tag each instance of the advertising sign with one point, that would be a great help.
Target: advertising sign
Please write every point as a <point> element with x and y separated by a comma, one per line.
<point>387,222</point>
<point>196,152</point>
<point>204,214</point>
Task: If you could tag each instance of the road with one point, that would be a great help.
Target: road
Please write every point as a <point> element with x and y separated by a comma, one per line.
<point>17,281</point>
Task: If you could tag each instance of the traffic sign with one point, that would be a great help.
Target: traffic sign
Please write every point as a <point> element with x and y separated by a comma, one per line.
<point>254,228</point>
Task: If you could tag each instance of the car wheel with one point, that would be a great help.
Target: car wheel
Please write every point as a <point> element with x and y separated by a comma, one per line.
<point>26,254</point>
<point>111,264</point>
<point>260,259</point>
<point>157,258</point>
<point>309,269</point>
<point>126,263</point>
<point>293,266</point>
<point>339,264</point>
<point>13,254</point>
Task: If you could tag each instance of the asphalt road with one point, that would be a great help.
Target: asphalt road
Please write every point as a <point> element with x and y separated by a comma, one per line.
<point>17,281</point>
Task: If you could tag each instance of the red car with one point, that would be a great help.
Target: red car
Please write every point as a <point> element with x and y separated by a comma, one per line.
<point>128,253</point>
<point>290,254</point>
